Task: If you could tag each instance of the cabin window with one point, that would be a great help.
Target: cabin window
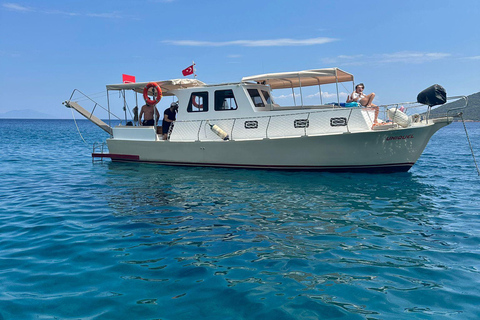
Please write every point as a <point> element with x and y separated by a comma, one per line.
<point>255,95</point>
<point>266,95</point>
<point>198,102</point>
<point>225,100</point>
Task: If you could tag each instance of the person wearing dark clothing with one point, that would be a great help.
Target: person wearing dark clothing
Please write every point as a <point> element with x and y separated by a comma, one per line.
<point>169,116</point>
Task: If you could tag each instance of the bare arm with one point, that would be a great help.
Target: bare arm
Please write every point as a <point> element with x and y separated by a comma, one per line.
<point>350,98</point>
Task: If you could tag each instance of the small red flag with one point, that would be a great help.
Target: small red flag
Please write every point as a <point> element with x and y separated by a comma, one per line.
<point>188,71</point>
<point>128,79</point>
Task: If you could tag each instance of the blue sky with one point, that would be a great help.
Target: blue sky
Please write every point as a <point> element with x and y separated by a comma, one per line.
<point>397,48</point>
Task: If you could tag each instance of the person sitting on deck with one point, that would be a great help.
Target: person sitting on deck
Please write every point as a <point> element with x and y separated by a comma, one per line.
<point>148,112</point>
<point>363,99</point>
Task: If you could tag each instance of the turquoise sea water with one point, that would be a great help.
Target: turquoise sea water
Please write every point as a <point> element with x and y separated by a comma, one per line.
<point>138,241</point>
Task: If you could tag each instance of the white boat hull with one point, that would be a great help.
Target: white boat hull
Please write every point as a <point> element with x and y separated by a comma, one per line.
<point>379,151</point>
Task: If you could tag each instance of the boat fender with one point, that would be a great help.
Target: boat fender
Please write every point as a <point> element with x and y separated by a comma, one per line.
<point>398,117</point>
<point>218,131</point>
<point>158,95</point>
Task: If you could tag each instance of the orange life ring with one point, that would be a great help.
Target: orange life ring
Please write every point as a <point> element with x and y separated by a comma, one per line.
<point>158,96</point>
<point>199,106</point>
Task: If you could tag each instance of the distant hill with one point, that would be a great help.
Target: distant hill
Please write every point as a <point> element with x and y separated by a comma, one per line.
<point>471,112</point>
<point>25,114</point>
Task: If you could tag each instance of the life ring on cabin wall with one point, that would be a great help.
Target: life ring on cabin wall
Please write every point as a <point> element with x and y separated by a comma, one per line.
<point>158,96</point>
<point>197,105</point>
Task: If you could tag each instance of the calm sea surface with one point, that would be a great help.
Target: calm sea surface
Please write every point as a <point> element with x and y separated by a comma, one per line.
<point>138,241</point>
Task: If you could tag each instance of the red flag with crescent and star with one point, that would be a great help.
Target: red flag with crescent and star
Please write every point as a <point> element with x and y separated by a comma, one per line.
<point>188,71</point>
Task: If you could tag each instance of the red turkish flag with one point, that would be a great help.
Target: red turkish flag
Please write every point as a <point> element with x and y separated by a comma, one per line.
<point>188,71</point>
<point>128,79</point>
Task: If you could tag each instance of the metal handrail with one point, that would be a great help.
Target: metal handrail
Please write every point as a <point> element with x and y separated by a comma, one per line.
<point>93,101</point>
<point>411,105</point>
<point>305,114</point>
<point>465,98</point>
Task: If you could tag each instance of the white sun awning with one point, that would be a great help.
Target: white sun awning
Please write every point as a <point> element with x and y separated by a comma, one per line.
<point>167,86</point>
<point>305,78</point>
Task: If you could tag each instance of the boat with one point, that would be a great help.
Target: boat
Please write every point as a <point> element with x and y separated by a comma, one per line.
<point>239,125</point>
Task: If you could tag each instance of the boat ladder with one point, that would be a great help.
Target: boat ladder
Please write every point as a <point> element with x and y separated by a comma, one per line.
<point>99,150</point>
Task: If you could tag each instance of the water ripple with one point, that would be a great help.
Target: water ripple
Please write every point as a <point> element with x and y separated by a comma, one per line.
<point>96,241</point>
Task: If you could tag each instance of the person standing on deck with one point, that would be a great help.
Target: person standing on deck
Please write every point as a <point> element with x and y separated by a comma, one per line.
<point>169,116</point>
<point>148,111</point>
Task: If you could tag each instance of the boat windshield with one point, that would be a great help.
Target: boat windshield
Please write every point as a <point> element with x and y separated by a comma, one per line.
<point>267,97</point>
<point>256,98</point>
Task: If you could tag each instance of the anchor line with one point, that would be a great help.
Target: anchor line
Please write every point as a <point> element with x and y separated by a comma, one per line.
<point>78,129</point>
<point>469,143</point>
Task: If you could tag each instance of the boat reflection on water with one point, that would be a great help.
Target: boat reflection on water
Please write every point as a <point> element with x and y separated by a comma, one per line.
<point>301,203</point>
<point>291,240</point>
<point>145,189</point>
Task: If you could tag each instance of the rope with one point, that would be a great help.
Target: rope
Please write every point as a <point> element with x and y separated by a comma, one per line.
<point>78,129</point>
<point>126,105</point>
<point>94,95</point>
<point>469,143</point>
<point>88,98</point>
<point>344,87</point>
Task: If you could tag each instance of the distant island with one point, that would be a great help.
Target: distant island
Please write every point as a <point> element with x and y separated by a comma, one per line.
<point>470,113</point>
<point>26,114</point>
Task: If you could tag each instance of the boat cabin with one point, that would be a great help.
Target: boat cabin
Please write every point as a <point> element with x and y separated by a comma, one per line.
<point>246,110</point>
<point>199,101</point>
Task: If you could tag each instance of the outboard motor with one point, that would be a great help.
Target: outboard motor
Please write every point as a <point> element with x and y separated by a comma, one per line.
<point>432,96</point>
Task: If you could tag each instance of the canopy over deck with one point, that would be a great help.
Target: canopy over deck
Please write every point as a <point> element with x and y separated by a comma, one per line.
<point>305,78</point>
<point>167,85</point>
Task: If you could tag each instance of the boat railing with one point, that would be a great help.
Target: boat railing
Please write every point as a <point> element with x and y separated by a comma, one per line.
<point>424,112</point>
<point>309,123</point>
<point>411,109</point>
<point>454,111</point>
<point>80,97</point>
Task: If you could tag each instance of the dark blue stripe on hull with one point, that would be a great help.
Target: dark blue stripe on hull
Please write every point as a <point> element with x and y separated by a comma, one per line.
<point>382,168</point>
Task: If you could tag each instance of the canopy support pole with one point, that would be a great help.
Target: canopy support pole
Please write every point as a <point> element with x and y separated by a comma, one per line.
<point>320,91</point>
<point>301,94</point>
<point>136,113</point>
<point>124,105</point>
<point>336,82</point>
<point>293,92</point>
<point>108,106</point>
